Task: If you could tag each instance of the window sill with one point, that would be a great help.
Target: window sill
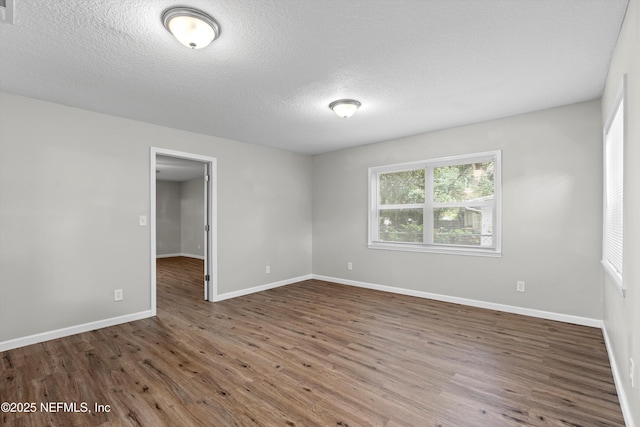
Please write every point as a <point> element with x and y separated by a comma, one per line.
<point>615,277</point>
<point>450,250</point>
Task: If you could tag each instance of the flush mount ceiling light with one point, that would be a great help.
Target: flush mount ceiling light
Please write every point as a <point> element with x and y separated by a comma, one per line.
<point>192,28</point>
<point>345,107</point>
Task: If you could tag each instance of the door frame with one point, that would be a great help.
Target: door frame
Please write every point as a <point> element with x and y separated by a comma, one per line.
<point>211,260</point>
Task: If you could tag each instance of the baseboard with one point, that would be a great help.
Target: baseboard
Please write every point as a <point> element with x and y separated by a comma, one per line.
<point>167,255</point>
<point>86,327</point>
<point>72,330</point>
<point>585,321</point>
<point>260,288</point>
<point>180,254</point>
<point>617,379</point>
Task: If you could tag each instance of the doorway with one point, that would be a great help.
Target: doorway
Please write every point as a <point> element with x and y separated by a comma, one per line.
<point>176,172</point>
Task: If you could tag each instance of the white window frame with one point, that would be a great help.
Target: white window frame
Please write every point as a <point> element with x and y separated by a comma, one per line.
<point>495,250</point>
<point>613,186</point>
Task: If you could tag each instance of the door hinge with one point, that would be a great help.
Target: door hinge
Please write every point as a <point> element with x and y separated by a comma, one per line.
<point>206,227</point>
<point>206,278</point>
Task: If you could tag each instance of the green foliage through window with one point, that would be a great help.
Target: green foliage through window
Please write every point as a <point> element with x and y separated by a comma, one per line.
<point>402,187</point>
<point>464,195</point>
<point>462,182</point>
<point>401,225</point>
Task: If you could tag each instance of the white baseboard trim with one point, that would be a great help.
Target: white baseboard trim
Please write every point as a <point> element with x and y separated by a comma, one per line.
<point>617,379</point>
<point>72,330</point>
<point>180,254</point>
<point>567,318</point>
<point>167,255</point>
<point>260,288</point>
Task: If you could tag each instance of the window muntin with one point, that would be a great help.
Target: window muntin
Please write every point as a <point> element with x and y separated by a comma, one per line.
<point>457,197</point>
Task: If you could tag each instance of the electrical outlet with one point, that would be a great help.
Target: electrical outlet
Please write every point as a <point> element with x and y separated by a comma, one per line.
<point>632,373</point>
<point>349,266</point>
<point>520,286</point>
<point>268,269</point>
<point>117,295</point>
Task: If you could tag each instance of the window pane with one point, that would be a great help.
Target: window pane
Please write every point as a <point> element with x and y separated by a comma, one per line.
<point>614,191</point>
<point>471,226</point>
<point>401,225</point>
<point>399,188</point>
<point>460,183</point>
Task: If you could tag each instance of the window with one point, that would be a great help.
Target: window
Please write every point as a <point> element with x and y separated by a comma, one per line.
<point>449,205</point>
<point>614,135</point>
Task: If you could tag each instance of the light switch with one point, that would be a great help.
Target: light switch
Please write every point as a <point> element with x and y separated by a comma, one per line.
<point>143,220</point>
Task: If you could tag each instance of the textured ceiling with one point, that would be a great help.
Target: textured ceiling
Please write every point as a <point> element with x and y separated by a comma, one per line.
<point>416,66</point>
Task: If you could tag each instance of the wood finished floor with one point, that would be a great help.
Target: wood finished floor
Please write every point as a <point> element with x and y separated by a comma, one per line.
<point>316,354</point>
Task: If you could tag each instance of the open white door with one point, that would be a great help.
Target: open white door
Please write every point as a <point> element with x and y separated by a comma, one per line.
<point>207,229</point>
<point>209,223</point>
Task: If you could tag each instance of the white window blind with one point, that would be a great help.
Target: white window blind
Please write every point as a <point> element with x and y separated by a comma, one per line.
<point>614,192</point>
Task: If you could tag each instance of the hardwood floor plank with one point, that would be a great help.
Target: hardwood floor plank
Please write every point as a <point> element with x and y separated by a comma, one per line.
<point>316,354</point>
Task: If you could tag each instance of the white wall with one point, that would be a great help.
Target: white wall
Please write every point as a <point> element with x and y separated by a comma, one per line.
<point>168,219</point>
<point>551,214</point>
<point>68,240</point>
<point>192,217</point>
<point>72,186</point>
<point>180,217</point>
<point>622,315</point>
